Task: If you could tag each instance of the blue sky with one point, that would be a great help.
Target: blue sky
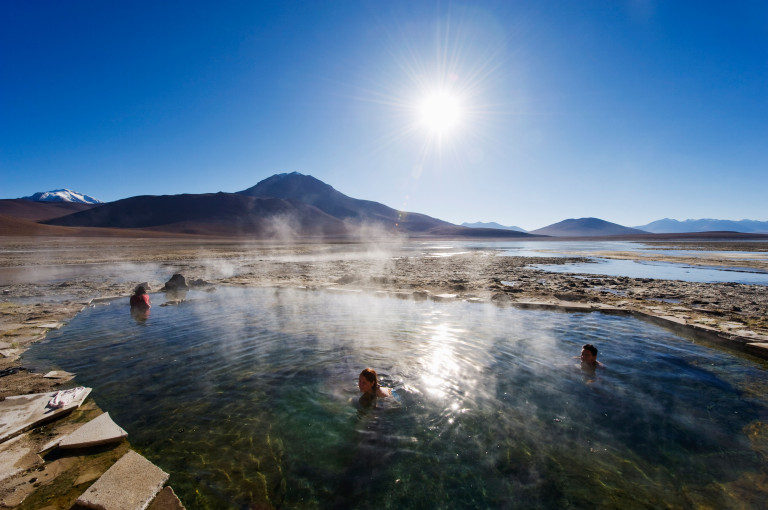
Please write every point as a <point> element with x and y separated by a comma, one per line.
<point>629,111</point>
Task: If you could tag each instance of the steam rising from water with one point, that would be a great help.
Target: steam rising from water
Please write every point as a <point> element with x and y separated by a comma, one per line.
<point>491,409</point>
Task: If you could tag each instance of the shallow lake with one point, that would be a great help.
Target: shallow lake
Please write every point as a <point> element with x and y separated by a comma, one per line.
<point>660,271</point>
<point>249,395</point>
<point>614,267</point>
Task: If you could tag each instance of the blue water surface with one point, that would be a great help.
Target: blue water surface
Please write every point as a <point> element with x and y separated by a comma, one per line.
<point>249,398</point>
<point>613,267</point>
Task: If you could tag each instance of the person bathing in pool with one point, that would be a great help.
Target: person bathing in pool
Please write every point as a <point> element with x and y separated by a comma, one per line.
<point>368,382</point>
<point>589,357</point>
<point>140,300</point>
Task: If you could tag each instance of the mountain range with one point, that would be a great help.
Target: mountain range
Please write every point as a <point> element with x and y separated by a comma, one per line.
<point>491,224</point>
<point>668,225</point>
<point>292,205</point>
<point>281,206</point>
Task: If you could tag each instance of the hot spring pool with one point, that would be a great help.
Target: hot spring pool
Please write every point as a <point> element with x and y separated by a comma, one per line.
<point>250,395</point>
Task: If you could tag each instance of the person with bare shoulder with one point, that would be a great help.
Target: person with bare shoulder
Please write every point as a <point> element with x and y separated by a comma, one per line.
<point>368,382</point>
<point>589,357</point>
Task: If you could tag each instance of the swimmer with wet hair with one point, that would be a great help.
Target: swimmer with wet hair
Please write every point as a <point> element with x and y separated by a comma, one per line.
<point>368,382</point>
<point>589,356</point>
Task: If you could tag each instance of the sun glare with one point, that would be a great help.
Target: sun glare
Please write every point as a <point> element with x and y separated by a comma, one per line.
<point>440,112</point>
<point>440,88</point>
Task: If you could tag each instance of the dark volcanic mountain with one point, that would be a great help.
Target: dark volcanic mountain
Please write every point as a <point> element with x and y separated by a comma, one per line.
<point>284,205</point>
<point>223,214</point>
<point>586,227</point>
<point>309,190</point>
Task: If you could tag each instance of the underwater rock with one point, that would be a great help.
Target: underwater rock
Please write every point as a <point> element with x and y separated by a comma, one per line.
<point>173,302</point>
<point>176,283</point>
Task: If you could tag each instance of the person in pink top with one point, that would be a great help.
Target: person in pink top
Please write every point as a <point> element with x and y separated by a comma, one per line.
<point>140,300</point>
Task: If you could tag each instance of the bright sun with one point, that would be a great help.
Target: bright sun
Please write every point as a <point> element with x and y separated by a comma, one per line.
<point>440,112</point>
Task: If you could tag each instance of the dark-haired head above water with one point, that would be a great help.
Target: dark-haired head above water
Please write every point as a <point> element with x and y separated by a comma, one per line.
<point>589,355</point>
<point>140,299</point>
<point>368,382</point>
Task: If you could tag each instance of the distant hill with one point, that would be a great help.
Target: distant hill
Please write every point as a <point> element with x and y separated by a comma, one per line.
<point>39,211</point>
<point>586,227</point>
<point>670,226</point>
<point>491,224</point>
<point>13,226</point>
<point>62,195</point>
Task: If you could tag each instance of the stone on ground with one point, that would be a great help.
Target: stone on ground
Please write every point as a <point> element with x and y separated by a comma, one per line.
<point>23,412</point>
<point>166,500</point>
<point>100,430</point>
<point>16,456</point>
<point>130,484</point>
<point>59,374</point>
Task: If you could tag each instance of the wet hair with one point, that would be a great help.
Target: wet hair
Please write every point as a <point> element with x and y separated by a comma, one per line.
<point>140,290</point>
<point>370,376</point>
<point>591,348</point>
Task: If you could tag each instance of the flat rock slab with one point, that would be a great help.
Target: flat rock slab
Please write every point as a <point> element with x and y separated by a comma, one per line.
<point>671,318</point>
<point>11,354</point>
<point>759,348</point>
<point>49,325</point>
<point>130,484</point>
<point>16,456</point>
<point>166,500</point>
<point>24,412</point>
<point>59,374</point>
<point>100,430</point>
<point>103,300</point>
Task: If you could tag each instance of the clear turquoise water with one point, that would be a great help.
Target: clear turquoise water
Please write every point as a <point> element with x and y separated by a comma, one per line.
<point>249,397</point>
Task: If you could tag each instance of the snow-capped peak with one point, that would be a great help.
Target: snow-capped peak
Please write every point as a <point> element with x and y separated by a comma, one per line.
<point>63,195</point>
